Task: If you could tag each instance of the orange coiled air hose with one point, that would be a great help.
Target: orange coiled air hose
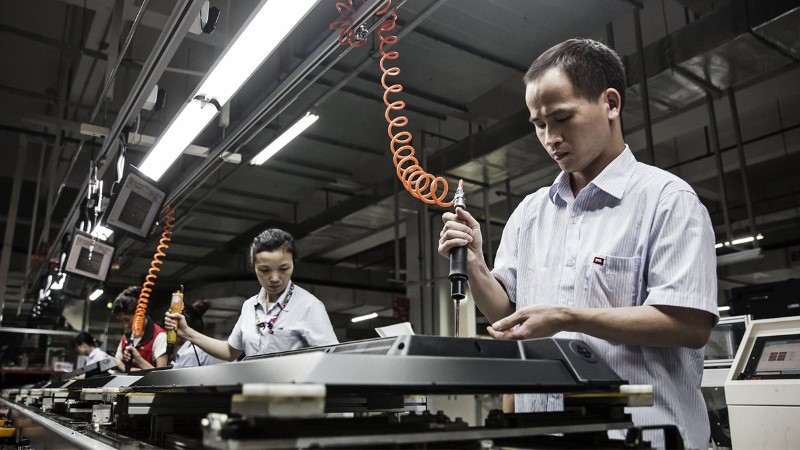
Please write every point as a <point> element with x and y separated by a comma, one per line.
<point>415,179</point>
<point>137,325</point>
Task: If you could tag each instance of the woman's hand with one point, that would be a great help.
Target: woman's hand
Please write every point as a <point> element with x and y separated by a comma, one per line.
<point>176,321</point>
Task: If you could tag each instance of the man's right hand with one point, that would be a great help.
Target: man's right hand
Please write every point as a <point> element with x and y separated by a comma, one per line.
<point>461,229</point>
<point>176,321</point>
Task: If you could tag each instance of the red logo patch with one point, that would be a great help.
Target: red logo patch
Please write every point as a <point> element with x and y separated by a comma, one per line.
<point>598,260</point>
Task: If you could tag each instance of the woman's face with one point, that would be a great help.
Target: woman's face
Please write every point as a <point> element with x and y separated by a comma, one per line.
<point>83,349</point>
<point>274,270</point>
<point>125,319</point>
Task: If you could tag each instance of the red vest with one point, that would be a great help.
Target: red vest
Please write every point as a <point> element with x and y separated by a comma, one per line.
<point>145,346</point>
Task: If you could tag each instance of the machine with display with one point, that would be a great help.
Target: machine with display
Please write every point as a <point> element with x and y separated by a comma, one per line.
<point>763,386</point>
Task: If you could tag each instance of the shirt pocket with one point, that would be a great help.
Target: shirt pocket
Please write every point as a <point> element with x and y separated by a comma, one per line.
<point>612,281</point>
<point>283,340</point>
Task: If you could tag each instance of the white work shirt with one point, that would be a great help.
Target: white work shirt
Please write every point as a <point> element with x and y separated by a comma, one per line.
<point>636,235</point>
<point>303,322</point>
<point>186,356</point>
<point>97,354</point>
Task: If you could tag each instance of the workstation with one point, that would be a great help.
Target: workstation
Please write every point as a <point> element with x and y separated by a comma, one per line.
<point>180,171</point>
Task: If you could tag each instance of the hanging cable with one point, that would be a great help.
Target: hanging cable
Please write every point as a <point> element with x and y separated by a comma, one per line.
<point>415,179</point>
<point>137,325</point>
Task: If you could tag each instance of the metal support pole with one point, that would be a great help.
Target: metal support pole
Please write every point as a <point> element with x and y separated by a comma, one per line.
<point>11,223</point>
<point>737,129</point>
<point>648,129</point>
<point>714,136</point>
<point>488,224</point>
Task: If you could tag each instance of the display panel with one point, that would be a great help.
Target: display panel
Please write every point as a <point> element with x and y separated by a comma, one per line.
<point>88,257</point>
<point>136,205</point>
<point>774,357</point>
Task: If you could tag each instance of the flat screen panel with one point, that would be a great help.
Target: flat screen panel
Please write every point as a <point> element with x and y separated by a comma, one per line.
<point>136,204</point>
<point>774,357</point>
<point>88,258</point>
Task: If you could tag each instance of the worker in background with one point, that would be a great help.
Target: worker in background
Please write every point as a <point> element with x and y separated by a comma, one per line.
<point>281,317</point>
<point>614,252</point>
<point>188,354</point>
<point>85,345</point>
<point>147,351</point>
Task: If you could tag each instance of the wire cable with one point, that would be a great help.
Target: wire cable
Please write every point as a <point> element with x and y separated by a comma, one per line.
<point>414,178</point>
<point>137,325</point>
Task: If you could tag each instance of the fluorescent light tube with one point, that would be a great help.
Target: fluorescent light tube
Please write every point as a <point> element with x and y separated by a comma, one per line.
<point>265,30</point>
<point>192,119</point>
<point>96,294</point>
<point>738,241</point>
<point>724,308</point>
<point>367,317</point>
<point>284,139</point>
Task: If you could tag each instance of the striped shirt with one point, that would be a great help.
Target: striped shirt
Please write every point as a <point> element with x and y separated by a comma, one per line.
<point>635,235</point>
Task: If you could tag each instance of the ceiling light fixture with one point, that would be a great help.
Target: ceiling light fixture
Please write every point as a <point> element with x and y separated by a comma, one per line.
<point>96,294</point>
<point>267,27</point>
<point>743,240</point>
<point>287,136</point>
<point>366,317</point>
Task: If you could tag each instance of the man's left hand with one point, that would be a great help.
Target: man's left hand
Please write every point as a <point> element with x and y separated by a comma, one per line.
<point>534,321</point>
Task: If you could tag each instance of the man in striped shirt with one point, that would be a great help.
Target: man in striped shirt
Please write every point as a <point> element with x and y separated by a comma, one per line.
<point>614,252</point>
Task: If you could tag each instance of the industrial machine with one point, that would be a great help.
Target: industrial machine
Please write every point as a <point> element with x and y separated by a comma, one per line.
<point>720,352</point>
<point>763,386</point>
<point>369,393</point>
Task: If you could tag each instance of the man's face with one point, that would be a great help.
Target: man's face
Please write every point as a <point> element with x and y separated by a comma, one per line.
<point>576,132</point>
<point>274,270</point>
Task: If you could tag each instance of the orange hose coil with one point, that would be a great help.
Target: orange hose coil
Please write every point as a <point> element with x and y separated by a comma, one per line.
<point>417,182</point>
<point>137,325</point>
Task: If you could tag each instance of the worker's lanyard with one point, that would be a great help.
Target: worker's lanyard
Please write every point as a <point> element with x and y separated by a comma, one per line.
<point>270,324</point>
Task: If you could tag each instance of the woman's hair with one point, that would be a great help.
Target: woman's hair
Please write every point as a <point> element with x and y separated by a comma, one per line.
<point>125,303</point>
<point>270,240</point>
<point>194,315</point>
<point>84,337</point>
<point>591,66</point>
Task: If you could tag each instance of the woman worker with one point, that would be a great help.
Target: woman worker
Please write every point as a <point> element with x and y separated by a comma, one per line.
<point>147,351</point>
<point>188,355</point>
<point>85,345</point>
<point>281,317</point>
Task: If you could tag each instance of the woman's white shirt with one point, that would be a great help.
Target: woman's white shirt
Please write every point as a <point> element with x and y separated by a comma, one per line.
<point>97,354</point>
<point>186,357</point>
<point>303,322</point>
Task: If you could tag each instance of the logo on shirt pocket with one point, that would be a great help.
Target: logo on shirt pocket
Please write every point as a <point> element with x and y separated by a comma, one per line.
<point>612,281</point>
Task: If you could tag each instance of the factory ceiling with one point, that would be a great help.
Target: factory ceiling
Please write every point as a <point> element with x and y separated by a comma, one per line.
<point>78,64</point>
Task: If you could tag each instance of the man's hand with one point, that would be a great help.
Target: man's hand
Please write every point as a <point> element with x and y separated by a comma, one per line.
<point>534,321</point>
<point>176,321</point>
<point>461,229</point>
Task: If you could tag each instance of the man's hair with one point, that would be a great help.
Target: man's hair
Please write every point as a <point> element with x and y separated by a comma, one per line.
<point>271,240</point>
<point>84,337</point>
<point>591,66</point>
<point>125,303</point>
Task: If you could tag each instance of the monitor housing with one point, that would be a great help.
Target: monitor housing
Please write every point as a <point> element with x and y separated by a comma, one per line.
<point>88,257</point>
<point>135,206</point>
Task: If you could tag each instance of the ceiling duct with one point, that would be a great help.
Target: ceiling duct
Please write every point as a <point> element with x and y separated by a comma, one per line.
<point>726,49</point>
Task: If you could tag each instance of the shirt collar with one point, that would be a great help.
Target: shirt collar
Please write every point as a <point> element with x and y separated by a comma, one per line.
<point>264,301</point>
<point>612,180</point>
